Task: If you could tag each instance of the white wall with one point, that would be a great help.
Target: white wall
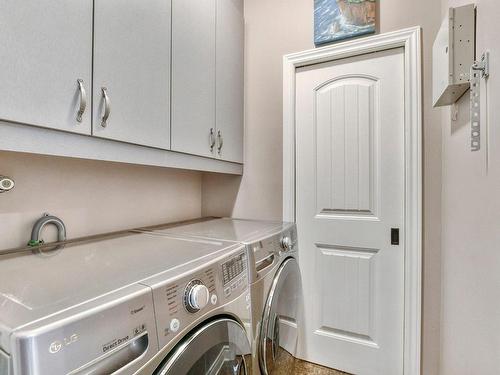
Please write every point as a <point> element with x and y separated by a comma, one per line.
<point>278,27</point>
<point>91,197</point>
<point>471,222</point>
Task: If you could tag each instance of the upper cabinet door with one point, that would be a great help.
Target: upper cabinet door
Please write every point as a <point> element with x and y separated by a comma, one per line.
<point>132,71</point>
<point>230,47</point>
<point>45,48</point>
<point>193,76</point>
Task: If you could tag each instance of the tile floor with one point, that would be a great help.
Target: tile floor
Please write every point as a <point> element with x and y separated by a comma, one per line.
<point>299,367</point>
<point>302,368</point>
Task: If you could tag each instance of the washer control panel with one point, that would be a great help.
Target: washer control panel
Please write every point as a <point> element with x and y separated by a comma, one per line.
<point>191,294</point>
<point>234,273</point>
<point>196,296</point>
<point>180,302</point>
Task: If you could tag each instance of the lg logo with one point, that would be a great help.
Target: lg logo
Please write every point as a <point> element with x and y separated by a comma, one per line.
<point>57,345</point>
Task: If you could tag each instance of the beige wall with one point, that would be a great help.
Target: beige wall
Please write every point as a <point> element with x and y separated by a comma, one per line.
<point>278,27</point>
<point>471,222</point>
<point>91,197</point>
<point>273,28</point>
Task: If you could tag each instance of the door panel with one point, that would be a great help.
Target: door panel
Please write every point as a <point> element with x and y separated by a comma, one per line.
<point>229,97</point>
<point>346,144</point>
<point>132,61</point>
<point>46,48</point>
<point>350,193</point>
<point>347,310</point>
<point>220,347</point>
<point>193,76</point>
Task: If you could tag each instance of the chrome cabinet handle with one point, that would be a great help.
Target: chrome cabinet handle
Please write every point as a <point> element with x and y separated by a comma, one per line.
<point>212,139</point>
<point>107,107</point>
<point>83,100</point>
<point>220,142</point>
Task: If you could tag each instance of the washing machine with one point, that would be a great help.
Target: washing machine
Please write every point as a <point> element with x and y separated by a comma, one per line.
<point>125,304</point>
<point>276,288</point>
<point>201,313</point>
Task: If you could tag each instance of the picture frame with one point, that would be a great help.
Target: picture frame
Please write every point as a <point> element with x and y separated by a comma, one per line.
<point>336,20</point>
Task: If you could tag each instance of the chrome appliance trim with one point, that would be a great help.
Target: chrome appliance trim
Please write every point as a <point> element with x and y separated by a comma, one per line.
<point>164,370</point>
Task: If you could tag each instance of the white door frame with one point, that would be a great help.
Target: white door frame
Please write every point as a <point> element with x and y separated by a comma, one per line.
<point>409,39</point>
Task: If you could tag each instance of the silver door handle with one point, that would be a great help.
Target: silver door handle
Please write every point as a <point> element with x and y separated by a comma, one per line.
<point>107,107</point>
<point>220,141</point>
<point>212,139</point>
<point>83,100</point>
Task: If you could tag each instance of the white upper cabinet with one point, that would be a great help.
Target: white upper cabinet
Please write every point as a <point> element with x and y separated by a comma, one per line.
<point>45,48</point>
<point>229,88</point>
<point>145,77</point>
<point>207,78</point>
<point>132,71</point>
<point>193,76</point>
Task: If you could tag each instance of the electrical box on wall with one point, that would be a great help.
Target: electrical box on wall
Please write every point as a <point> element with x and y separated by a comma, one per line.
<point>453,54</point>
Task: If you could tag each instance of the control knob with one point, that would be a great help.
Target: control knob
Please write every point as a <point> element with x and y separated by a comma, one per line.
<point>196,296</point>
<point>286,243</point>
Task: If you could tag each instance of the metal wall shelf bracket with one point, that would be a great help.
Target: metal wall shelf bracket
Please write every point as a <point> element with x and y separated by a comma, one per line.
<point>479,70</point>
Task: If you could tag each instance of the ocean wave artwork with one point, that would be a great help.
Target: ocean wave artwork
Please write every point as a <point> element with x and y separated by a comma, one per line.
<point>341,19</point>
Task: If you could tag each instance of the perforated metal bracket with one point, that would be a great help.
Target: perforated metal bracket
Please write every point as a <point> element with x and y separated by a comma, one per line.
<point>479,70</point>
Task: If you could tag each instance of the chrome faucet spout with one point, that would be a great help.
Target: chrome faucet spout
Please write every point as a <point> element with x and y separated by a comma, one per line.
<point>42,222</point>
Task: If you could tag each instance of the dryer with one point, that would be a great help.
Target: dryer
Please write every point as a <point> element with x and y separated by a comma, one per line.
<point>90,307</point>
<point>277,299</point>
<point>276,288</point>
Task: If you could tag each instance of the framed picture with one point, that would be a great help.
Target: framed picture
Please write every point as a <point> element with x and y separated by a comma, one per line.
<point>341,19</point>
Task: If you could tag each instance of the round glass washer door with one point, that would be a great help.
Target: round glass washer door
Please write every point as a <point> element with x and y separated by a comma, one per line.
<point>278,335</point>
<point>219,347</point>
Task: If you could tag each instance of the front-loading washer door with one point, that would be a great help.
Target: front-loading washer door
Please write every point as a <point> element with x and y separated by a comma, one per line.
<point>220,347</point>
<point>278,334</point>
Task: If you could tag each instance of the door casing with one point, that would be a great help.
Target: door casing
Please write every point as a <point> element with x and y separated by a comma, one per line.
<point>410,40</point>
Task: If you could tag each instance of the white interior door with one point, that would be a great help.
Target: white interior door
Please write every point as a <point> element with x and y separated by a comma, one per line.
<point>132,41</point>
<point>349,195</point>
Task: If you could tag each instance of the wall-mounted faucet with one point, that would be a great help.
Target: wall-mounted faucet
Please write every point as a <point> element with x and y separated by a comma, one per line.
<point>41,223</point>
<point>6,184</point>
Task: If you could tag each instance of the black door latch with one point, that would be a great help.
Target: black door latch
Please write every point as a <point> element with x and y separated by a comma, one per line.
<point>394,236</point>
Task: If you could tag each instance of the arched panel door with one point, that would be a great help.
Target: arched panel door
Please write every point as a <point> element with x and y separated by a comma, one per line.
<point>350,198</point>
<point>278,336</point>
<point>220,347</point>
